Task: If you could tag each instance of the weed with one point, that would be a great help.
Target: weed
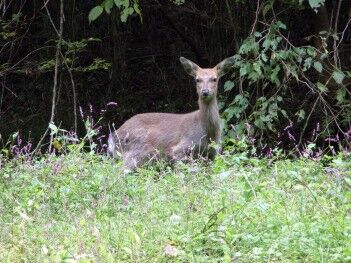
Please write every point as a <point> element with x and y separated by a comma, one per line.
<point>80,207</point>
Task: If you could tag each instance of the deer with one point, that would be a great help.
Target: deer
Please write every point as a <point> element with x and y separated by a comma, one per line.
<point>149,136</point>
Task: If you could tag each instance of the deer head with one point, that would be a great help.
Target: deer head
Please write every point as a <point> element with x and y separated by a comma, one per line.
<point>207,78</point>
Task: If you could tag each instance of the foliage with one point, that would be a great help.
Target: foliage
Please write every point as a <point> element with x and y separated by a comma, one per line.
<point>65,142</point>
<point>80,207</point>
<point>127,7</point>
<point>316,3</point>
<point>290,88</point>
<point>178,2</point>
<point>266,68</point>
<point>72,51</point>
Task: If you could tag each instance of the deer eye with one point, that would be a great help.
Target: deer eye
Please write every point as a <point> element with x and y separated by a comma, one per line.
<point>197,80</point>
<point>214,80</point>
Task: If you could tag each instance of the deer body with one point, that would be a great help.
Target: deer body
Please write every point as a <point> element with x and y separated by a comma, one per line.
<point>174,136</point>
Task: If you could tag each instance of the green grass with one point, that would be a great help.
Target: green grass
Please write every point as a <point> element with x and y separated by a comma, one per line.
<point>81,208</point>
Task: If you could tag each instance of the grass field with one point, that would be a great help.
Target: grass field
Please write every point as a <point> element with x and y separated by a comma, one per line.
<point>82,208</point>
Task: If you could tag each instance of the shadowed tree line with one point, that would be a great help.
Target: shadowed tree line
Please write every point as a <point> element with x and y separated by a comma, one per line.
<point>136,63</point>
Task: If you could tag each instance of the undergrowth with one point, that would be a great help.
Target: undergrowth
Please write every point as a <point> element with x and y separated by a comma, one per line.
<point>82,208</point>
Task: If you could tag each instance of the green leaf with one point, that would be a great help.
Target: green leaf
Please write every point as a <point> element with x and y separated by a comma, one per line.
<point>118,3</point>
<point>300,115</point>
<point>253,76</point>
<point>243,71</point>
<point>281,25</point>
<point>293,70</point>
<point>322,87</point>
<point>130,11</point>
<point>318,66</point>
<point>274,75</point>
<point>229,113</point>
<point>14,136</point>
<point>249,45</point>
<point>53,128</point>
<point>307,64</point>
<point>126,13</point>
<point>264,57</point>
<point>228,85</point>
<point>108,4</point>
<point>95,13</point>
<point>311,51</point>
<point>266,8</point>
<point>338,76</point>
<point>258,34</point>
<point>125,3</point>
<point>284,113</point>
<point>311,146</point>
<point>267,43</point>
<point>316,3</point>
<point>137,9</point>
<point>257,68</point>
<point>340,95</point>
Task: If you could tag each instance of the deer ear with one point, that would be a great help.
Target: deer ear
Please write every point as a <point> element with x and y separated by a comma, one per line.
<point>189,66</point>
<point>224,66</point>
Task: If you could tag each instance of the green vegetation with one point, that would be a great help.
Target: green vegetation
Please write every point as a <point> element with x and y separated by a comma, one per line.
<point>289,86</point>
<point>72,71</point>
<point>82,208</point>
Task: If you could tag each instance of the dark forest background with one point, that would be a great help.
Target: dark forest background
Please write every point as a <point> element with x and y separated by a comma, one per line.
<point>290,85</point>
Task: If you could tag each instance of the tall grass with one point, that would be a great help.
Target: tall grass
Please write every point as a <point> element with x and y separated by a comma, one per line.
<point>82,208</point>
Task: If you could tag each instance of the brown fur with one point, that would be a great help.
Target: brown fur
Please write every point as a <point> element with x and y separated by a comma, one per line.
<point>174,136</point>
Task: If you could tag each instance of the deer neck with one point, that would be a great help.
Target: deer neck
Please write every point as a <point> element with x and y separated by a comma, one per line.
<point>209,116</point>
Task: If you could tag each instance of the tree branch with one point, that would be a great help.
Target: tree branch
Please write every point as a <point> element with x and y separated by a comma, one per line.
<point>336,52</point>
<point>54,89</point>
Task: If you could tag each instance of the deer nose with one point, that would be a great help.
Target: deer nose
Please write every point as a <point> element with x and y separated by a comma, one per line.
<point>205,92</point>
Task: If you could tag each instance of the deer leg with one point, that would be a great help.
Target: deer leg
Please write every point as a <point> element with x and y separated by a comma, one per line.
<point>180,151</point>
<point>214,147</point>
<point>212,152</point>
<point>130,161</point>
<point>134,159</point>
<point>137,157</point>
